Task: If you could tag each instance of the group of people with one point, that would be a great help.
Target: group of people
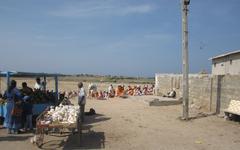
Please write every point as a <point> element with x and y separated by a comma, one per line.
<point>19,108</point>
<point>119,91</point>
<point>138,91</point>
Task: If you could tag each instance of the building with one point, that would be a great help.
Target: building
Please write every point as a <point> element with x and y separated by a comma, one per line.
<point>228,63</point>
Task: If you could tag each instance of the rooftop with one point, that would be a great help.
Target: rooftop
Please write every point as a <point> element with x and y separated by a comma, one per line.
<point>26,74</point>
<point>226,54</point>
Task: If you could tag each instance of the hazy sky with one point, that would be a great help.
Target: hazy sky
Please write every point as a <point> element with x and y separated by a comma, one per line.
<point>117,37</point>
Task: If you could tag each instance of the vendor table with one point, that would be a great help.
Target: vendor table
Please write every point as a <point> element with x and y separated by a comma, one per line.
<point>45,129</point>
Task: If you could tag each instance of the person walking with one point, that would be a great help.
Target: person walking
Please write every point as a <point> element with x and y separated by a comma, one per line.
<point>81,100</point>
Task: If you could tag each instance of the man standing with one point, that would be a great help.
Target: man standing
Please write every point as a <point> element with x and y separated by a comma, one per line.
<point>38,84</point>
<point>26,91</point>
<point>81,99</point>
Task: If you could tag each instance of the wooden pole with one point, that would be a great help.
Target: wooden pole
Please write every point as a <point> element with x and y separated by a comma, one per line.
<point>45,83</point>
<point>185,67</point>
<point>56,89</point>
<point>8,79</point>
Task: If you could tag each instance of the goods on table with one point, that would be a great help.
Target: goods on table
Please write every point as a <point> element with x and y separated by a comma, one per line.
<point>40,97</point>
<point>2,101</point>
<point>61,114</point>
<point>57,120</point>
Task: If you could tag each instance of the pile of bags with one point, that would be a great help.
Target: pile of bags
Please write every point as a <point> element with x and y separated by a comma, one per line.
<point>61,114</point>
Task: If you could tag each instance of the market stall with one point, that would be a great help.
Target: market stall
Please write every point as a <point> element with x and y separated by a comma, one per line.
<point>41,99</point>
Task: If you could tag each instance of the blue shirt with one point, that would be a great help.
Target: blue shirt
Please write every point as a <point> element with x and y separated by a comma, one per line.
<point>10,95</point>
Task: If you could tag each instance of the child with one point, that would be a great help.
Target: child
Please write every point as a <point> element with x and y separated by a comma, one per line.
<point>27,111</point>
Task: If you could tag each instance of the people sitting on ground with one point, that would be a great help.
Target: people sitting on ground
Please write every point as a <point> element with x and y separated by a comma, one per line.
<point>137,91</point>
<point>105,94</point>
<point>38,85</point>
<point>92,90</point>
<point>124,90</point>
<point>26,91</point>
<point>130,91</point>
<point>134,90</point>
<point>71,94</point>
<point>101,96</point>
<point>151,89</point>
<point>171,94</point>
<point>145,90</point>
<point>111,91</point>
<point>119,91</point>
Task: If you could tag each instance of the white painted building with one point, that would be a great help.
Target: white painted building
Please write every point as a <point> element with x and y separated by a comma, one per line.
<point>228,63</point>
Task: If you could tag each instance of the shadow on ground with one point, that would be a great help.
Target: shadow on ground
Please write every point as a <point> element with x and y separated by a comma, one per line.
<point>95,119</point>
<point>14,138</point>
<point>88,140</point>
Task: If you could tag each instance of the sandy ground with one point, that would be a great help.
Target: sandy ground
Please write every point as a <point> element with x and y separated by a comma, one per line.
<point>132,124</point>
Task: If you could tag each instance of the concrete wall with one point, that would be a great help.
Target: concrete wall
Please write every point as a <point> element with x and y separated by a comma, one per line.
<point>166,82</point>
<point>208,93</point>
<point>226,65</point>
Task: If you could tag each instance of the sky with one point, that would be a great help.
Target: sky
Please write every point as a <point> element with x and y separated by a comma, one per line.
<point>114,37</point>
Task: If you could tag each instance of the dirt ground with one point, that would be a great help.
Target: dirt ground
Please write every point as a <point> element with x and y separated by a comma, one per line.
<point>132,124</point>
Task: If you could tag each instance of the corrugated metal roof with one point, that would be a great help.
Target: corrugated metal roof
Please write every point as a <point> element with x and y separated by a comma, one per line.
<point>27,74</point>
<point>226,54</point>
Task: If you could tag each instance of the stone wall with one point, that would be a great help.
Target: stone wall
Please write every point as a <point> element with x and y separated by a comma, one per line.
<point>208,93</point>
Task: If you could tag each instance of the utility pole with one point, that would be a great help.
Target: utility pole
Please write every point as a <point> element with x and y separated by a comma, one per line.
<point>185,67</point>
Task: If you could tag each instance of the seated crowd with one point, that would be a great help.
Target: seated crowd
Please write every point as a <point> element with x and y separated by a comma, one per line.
<point>119,91</point>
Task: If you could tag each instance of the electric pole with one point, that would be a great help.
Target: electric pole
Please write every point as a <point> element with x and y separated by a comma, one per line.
<point>185,67</point>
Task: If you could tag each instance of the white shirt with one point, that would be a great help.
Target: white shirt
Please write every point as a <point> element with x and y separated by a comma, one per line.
<point>110,89</point>
<point>38,86</point>
<point>82,93</point>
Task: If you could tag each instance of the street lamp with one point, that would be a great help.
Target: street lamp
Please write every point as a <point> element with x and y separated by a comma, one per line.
<point>185,64</point>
